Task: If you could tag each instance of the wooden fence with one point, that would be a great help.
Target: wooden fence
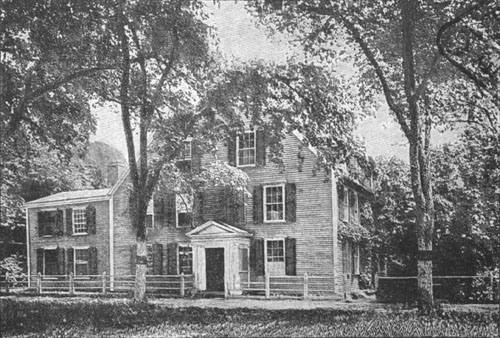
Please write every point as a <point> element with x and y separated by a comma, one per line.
<point>296,286</point>
<point>71,285</point>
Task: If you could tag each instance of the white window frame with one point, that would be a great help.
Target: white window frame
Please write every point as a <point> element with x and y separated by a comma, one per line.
<point>356,263</point>
<point>264,204</point>
<point>177,211</point>
<point>356,207</point>
<point>345,204</point>
<point>254,149</point>
<point>265,252</point>
<point>187,158</point>
<point>86,232</point>
<point>184,245</point>
<point>247,271</point>
<point>74,260</point>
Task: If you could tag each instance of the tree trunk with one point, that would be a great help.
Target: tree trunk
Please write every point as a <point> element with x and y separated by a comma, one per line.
<point>140,271</point>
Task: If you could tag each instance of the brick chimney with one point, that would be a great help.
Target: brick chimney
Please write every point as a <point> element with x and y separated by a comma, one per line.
<point>115,169</point>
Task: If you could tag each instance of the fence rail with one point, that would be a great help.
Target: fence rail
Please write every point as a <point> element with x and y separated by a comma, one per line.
<point>71,284</point>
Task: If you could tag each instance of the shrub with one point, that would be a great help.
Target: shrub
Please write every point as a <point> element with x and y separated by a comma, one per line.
<point>12,265</point>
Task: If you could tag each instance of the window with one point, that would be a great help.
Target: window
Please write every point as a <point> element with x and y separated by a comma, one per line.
<point>149,255</point>
<point>275,251</point>
<point>47,223</point>
<point>185,151</point>
<point>184,210</point>
<point>353,207</point>
<point>81,261</point>
<point>150,214</point>
<point>245,149</point>
<point>243,259</point>
<point>274,203</point>
<point>185,259</point>
<point>79,221</point>
<point>50,262</point>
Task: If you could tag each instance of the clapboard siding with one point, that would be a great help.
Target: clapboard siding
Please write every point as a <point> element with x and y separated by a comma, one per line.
<point>100,239</point>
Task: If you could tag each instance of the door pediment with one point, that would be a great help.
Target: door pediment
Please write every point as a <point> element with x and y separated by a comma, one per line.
<point>217,229</point>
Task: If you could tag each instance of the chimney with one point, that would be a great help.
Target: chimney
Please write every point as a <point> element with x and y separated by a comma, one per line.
<point>115,169</point>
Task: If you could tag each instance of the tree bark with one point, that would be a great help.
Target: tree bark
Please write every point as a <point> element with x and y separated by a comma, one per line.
<point>140,271</point>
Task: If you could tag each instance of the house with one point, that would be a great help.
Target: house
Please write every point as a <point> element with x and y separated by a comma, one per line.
<point>289,226</point>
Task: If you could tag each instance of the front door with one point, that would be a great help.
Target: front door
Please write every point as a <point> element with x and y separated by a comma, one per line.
<point>214,258</point>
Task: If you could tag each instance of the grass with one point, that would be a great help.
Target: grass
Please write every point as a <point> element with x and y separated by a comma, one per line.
<point>96,318</point>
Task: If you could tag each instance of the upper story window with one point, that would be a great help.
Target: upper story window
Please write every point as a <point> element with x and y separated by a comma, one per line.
<point>348,205</point>
<point>245,149</point>
<point>186,151</point>
<point>274,203</point>
<point>79,221</point>
<point>184,210</point>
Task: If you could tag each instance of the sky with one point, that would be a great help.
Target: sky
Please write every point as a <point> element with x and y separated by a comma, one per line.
<point>240,39</point>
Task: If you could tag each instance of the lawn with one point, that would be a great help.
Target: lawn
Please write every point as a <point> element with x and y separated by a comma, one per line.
<point>97,318</point>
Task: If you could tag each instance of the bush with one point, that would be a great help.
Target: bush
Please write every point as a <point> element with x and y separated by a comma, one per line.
<point>12,265</point>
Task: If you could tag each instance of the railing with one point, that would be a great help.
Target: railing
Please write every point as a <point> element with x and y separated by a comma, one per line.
<point>71,284</point>
<point>296,286</point>
<point>456,289</point>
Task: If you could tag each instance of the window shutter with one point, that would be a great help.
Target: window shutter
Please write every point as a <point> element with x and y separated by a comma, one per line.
<point>71,254</point>
<point>59,231</point>
<point>345,257</point>
<point>290,257</point>
<point>159,210</point>
<point>39,260</point>
<point>257,257</point>
<point>60,261</point>
<point>196,154</point>
<point>41,223</point>
<point>69,221</point>
<point>157,259</point>
<point>260,147</point>
<point>231,149</point>
<point>341,200</point>
<point>170,211</point>
<point>133,256</point>
<point>291,202</point>
<point>258,213</point>
<point>198,209</point>
<point>172,259</point>
<point>90,219</point>
<point>93,261</point>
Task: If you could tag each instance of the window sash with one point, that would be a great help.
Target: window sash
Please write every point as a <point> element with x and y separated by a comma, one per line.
<point>184,210</point>
<point>246,149</point>
<point>275,250</point>
<point>81,261</point>
<point>185,259</point>
<point>79,221</point>
<point>274,203</point>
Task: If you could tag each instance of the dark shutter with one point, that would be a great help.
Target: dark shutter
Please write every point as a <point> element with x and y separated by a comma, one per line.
<point>133,256</point>
<point>39,260</point>
<point>59,228</point>
<point>260,145</point>
<point>61,264</point>
<point>291,202</point>
<point>290,257</point>
<point>172,259</point>
<point>90,219</point>
<point>93,261</point>
<point>42,220</point>
<point>341,200</point>
<point>71,254</point>
<point>157,259</point>
<point>159,210</point>
<point>362,259</point>
<point>257,264</point>
<point>170,209</point>
<point>258,213</point>
<point>199,217</point>
<point>196,154</point>
<point>231,149</point>
<point>69,222</point>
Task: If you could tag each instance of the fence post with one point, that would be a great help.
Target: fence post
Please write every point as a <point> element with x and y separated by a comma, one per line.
<point>71,284</point>
<point>267,285</point>
<point>7,282</point>
<point>104,283</point>
<point>376,281</point>
<point>39,284</point>
<point>183,291</point>
<point>306,285</point>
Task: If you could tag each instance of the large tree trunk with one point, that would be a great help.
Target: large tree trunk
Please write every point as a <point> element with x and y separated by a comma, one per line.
<point>140,271</point>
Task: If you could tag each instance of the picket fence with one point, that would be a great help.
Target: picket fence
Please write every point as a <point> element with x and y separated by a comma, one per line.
<point>71,285</point>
